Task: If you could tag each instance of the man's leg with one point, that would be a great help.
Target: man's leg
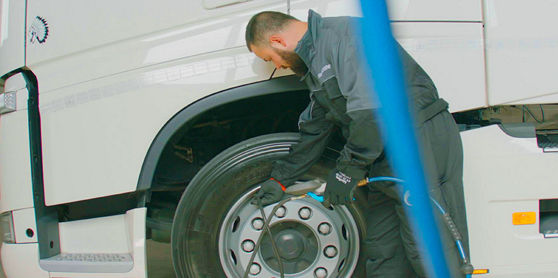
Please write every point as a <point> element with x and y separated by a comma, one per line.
<point>443,139</point>
<point>413,253</point>
<point>443,158</point>
<point>381,246</point>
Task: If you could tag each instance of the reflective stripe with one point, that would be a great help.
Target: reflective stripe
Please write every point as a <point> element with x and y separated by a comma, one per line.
<point>282,186</point>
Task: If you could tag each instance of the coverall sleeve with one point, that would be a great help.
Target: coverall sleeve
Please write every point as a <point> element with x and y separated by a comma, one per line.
<point>364,142</point>
<point>315,131</point>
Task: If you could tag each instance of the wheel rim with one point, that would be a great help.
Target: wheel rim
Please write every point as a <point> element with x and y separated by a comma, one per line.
<point>313,241</point>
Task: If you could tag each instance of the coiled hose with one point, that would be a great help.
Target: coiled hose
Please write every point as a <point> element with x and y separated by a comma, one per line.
<point>466,266</point>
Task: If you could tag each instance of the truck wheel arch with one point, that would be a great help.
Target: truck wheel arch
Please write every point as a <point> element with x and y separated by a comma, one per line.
<point>267,87</point>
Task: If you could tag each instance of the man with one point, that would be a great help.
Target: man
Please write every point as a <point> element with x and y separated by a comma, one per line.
<point>326,54</point>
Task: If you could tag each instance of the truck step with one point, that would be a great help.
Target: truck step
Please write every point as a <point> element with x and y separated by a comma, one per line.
<point>89,263</point>
<point>548,140</point>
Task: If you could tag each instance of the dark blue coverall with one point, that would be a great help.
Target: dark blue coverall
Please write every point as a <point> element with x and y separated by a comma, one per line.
<point>339,98</point>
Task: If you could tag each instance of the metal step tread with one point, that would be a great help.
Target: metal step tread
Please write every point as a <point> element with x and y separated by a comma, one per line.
<point>89,262</point>
<point>547,140</point>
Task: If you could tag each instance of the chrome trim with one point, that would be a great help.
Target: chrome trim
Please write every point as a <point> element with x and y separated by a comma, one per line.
<point>7,227</point>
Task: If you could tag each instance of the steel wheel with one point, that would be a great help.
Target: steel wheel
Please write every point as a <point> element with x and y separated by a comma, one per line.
<point>215,225</point>
<point>312,241</point>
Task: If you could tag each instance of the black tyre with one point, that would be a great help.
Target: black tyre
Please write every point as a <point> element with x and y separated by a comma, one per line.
<point>214,221</point>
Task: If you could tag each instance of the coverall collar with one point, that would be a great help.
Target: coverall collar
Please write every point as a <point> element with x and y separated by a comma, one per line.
<point>305,47</point>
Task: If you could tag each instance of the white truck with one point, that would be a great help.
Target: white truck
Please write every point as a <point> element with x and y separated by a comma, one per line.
<point>128,120</point>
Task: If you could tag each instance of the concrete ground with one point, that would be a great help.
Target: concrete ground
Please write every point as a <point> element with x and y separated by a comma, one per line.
<point>159,262</point>
<point>2,275</point>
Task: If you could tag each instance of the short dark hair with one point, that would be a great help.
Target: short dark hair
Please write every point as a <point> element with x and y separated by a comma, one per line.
<point>261,24</point>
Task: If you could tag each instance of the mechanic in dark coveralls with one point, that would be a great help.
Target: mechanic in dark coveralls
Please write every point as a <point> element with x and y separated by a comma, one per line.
<point>325,53</point>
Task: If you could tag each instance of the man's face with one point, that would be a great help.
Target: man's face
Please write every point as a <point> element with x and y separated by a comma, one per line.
<point>281,59</point>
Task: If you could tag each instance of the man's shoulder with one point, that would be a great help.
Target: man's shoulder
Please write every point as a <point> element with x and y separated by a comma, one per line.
<point>336,34</point>
<point>335,31</point>
<point>335,24</point>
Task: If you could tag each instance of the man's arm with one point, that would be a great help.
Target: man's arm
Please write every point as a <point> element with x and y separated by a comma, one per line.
<point>364,143</point>
<point>315,131</point>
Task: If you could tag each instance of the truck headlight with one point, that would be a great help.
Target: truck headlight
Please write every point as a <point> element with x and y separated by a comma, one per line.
<point>7,227</point>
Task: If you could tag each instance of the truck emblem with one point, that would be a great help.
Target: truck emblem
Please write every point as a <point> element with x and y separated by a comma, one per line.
<point>38,32</point>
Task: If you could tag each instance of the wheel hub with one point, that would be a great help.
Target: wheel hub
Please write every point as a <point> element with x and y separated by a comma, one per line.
<point>296,244</point>
<point>312,241</point>
<point>290,244</point>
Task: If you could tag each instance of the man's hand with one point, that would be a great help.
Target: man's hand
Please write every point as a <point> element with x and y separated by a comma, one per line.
<point>270,192</point>
<point>339,188</point>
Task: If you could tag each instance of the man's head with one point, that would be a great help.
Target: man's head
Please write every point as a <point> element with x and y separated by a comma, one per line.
<point>273,36</point>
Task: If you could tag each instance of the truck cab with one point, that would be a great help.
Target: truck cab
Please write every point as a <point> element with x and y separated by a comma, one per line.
<point>120,120</point>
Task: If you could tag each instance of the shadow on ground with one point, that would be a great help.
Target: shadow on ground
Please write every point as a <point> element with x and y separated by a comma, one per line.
<point>159,262</point>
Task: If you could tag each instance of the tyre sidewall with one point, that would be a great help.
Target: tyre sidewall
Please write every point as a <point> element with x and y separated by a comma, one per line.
<point>208,198</point>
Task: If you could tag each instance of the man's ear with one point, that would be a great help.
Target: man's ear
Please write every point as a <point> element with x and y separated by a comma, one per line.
<point>277,41</point>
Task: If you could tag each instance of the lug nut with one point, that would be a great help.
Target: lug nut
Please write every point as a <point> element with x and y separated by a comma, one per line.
<point>320,272</point>
<point>305,213</point>
<point>248,245</point>
<point>330,251</point>
<point>255,269</point>
<point>281,212</point>
<point>257,224</point>
<point>324,229</point>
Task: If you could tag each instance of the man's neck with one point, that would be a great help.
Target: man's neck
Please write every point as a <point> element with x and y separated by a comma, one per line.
<point>299,28</point>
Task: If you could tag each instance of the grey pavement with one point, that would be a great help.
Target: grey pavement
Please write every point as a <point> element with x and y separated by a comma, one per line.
<point>159,262</point>
<point>2,275</point>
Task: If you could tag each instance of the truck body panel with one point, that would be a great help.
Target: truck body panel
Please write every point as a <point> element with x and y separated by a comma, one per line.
<point>12,35</point>
<point>112,75</point>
